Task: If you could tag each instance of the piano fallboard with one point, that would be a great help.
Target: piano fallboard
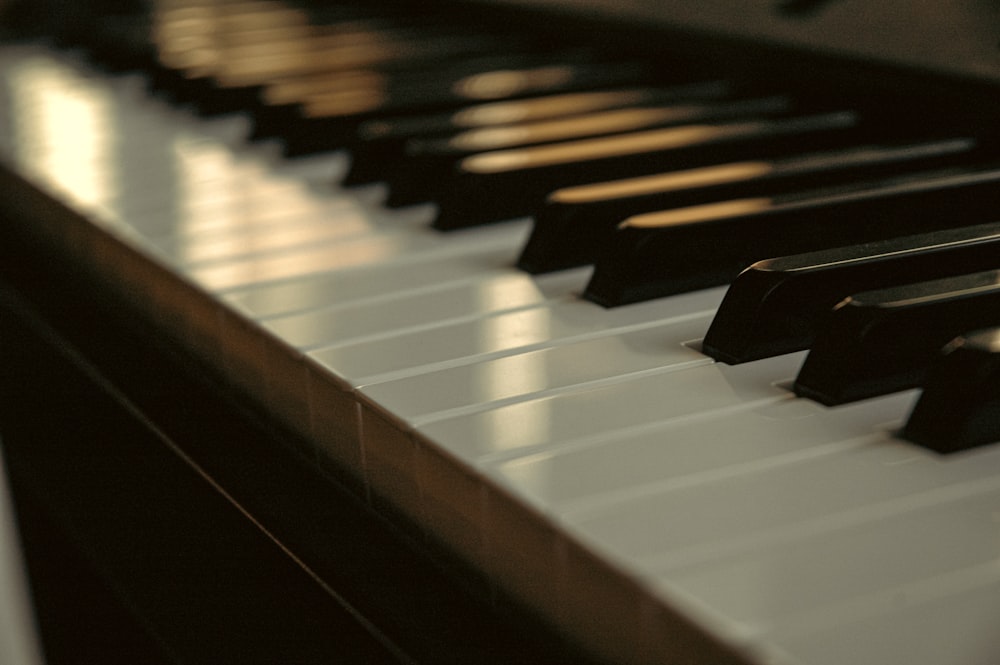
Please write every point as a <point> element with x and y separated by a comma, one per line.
<point>653,504</point>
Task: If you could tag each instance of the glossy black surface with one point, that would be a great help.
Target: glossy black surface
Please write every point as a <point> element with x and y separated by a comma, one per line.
<point>665,253</point>
<point>382,142</point>
<point>499,185</point>
<point>428,160</point>
<point>959,407</point>
<point>778,305</point>
<point>878,342</point>
<point>575,223</point>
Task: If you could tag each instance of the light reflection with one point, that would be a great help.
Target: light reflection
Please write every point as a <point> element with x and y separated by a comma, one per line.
<point>512,330</point>
<point>508,428</point>
<point>547,107</point>
<point>204,173</point>
<point>295,230</point>
<point>228,207</point>
<point>286,265</point>
<point>589,149</point>
<point>505,83</point>
<point>64,130</point>
<point>197,39</point>
<point>494,138</point>
<point>696,214</point>
<point>524,373</point>
<point>346,102</point>
<point>672,181</point>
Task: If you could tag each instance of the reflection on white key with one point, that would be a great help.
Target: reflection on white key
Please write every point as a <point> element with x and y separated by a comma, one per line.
<point>413,310</point>
<point>558,321</point>
<point>445,393</point>
<point>367,283</point>
<point>65,131</point>
<point>300,225</point>
<point>399,247</point>
<point>489,437</point>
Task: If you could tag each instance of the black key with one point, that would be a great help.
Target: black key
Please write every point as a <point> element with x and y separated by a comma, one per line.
<point>327,109</point>
<point>192,42</point>
<point>495,186</point>
<point>381,141</point>
<point>377,94</point>
<point>959,407</point>
<point>237,66</point>
<point>777,306</point>
<point>669,252</point>
<point>237,82</point>
<point>120,42</point>
<point>576,222</point>
<point>878,342</point>
<point>429,160</point>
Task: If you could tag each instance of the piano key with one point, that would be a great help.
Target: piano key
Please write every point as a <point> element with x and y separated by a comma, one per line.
<point>958,408</point>
<point>327,117</point>
<point>285,233</point>
<point>747,508</point>
<point>445,393</point>
<point>658,254</point>
<point>197,40</point>
<point>882,341</point>
<point>648,400</point>
<point>413,311</point>
<point>350,47</point>
<point>278,108</point>
<point>637,116</point>
<point>413,46</point>
<point>777,305</point>
<point>958,603</point>
<point>478,82</point>
<point>618,465</point>
<point>566,319</point>
<point>367,283</point>
<point>222,66</point>
<point>379,142</point>
<point>925,577</point>
<point>429,160</point>
<point>589,213</point>
<point>363,250</point>
<point>119,42</point>
<point>889,551</point>
<point>508,183</point>
<point>240,88</point>
<point>189,41</point>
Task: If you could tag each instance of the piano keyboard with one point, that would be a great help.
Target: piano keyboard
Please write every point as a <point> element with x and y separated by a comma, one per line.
<point>653,504</point>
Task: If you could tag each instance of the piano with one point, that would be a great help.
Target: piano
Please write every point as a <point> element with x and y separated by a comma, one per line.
<point>276,416</point>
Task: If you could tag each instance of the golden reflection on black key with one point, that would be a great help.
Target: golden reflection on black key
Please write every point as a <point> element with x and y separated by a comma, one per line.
<point>430,159</point>
<point>383,141</point>
<point>673,251</point>
<point>503,184</point>
<point>331,117</point>
<point>589,213</point>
